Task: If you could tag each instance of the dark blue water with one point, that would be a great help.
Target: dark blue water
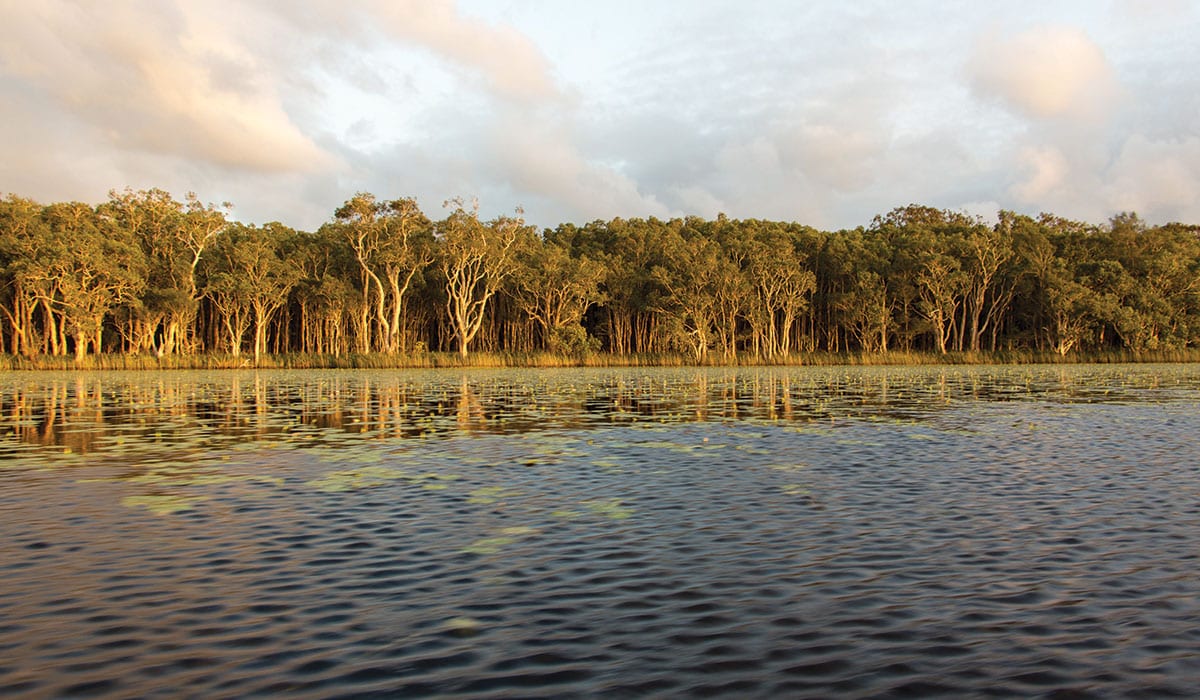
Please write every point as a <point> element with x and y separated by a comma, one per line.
<point>793,533</point>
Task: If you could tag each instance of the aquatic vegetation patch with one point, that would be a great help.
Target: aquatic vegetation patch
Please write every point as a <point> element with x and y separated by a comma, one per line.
<point>795,490</point>
<point>183,476</point>
<point>357,456</point>
<point>608,465</point>
<point>372,476</point>
<point>491,494</point>
<point>812,430</point>
<point>162,504</point>
<point>611,508</point>
<point>356,479</point>
<point>431,481</point>
<point>852,442</point>
<point>680,447</point>
<point>506,536</point>
<point>462,626</point>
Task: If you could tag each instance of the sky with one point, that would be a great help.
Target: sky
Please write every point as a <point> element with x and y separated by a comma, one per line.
<point>824,112</point>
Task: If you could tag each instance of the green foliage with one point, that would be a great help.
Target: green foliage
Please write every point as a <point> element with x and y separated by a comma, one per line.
<point>146,277</point>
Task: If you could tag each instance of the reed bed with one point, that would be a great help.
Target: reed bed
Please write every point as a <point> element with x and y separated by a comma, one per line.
<point>433,360</point>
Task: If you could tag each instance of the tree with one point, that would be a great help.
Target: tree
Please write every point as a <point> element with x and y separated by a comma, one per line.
<point>324,294</point>
<point>989,249</point>
<point>391,242</point>
<point>782,288</point>
<point>173,236</point>
<point>248,280</point>
<point>629,250</point>
<point>690,276</point>
<point>555,289</point>
<point>93,271</point>
<point>940,285</point>
<point>475,258</point>
<point>24,236</point>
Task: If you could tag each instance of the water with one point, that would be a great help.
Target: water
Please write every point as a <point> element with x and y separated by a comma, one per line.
<point>746,533</point>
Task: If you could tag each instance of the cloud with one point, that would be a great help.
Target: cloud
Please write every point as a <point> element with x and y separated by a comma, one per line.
<point>509,62</point>
<point>1047,171</point>
<point>539,154</point>
<point>1045,72</point>
<point>840,156</point>
<point>826,115</point>
<point>1158,179</point>
<point>169,88</point>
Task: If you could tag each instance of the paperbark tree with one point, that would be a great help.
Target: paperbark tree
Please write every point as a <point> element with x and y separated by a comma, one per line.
<point>475,258</point>
<point>691,275</point>
<point>249,278</point>
<point>782,289</point>
<point>24,243</point>
<point>555,289</point>
<point>173,236</point>
<point>93,271</point>
<point>391,242</point>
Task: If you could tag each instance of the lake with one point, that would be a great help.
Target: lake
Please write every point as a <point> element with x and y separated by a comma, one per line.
<point>796,532</point>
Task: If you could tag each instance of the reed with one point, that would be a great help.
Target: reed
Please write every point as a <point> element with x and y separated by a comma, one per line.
<point>431,360</point>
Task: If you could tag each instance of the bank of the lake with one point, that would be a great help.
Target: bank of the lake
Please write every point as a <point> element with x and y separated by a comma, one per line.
<point>495,360</point>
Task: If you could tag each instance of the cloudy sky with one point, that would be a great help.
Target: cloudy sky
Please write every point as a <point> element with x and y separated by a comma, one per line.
<point>823,112</point>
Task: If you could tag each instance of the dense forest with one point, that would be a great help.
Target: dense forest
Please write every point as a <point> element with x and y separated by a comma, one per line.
<point>146,274</point>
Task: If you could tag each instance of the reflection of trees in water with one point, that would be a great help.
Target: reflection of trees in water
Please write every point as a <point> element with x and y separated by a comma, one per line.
<point>86,412</point>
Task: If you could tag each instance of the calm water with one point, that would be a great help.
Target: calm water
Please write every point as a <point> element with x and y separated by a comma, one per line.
<point>750,533</point>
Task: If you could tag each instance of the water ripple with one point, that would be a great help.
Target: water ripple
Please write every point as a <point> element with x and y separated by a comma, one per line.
<point>1012,547</point>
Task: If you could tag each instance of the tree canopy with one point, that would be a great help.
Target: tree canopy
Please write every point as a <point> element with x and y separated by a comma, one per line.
<point>146,273</point>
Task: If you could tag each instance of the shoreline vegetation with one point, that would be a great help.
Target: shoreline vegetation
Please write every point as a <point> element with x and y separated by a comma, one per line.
<point>546,360</point>
<point>146,281</point>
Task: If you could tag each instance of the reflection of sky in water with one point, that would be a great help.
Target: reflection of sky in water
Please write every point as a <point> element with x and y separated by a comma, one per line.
<point>181,414</point>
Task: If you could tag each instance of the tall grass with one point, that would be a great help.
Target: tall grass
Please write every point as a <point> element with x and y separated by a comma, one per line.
<point>550,360</point>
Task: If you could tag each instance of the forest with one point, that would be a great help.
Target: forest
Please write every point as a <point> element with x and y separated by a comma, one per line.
<point>145,274</point>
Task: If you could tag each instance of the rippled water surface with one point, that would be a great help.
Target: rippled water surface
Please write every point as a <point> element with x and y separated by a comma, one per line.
<point>747,533</point>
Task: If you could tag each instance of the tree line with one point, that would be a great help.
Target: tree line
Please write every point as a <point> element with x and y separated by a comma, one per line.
<point>145,273</point>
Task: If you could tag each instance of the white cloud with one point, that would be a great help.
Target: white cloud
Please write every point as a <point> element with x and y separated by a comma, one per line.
<point>1158,179</point>
<point>168,88</point>
<point>695,200</point>
<point>1045,72</point>
<point>824,114</point>
<point>539,155</point>
<point>512,66</point>
<point>1046,173</point>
